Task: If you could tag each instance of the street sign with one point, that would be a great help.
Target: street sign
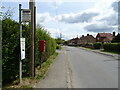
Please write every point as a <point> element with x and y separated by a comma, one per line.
<point>22,44</point>
<point>26,15</point>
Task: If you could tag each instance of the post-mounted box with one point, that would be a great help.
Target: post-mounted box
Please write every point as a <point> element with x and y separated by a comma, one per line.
<point>42,45</point>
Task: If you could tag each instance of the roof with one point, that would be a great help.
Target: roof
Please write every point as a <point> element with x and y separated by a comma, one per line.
<point>87,37</point>
<point>105,34</point>
<point>74,39</point>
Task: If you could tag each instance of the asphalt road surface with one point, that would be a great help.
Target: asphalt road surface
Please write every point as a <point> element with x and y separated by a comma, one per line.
<point>91,70</point>
<point>78,68</point>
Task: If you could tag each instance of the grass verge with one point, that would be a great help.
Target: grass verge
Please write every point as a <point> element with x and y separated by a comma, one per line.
<point>117,53</point>
<point>28,82</point>
<point>45,66</point>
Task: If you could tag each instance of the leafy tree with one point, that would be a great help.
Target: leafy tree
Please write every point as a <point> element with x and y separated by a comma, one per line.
<point>65,42</point>
<point>59,41</point>
<point>116,39</point>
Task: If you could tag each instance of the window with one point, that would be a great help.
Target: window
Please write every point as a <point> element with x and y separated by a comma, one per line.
<point>98,38</point>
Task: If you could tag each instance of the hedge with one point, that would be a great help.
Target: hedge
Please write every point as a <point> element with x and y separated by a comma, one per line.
<point>58,47</point>
<point>97,45</point>
<point>11,49</point>
<point>114,47</point>
<point>42,34</point>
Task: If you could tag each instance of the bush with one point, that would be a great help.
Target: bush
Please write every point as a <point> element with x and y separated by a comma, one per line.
<point>58,47</point>
<point>50,47</point>
<point>89,45</point>
<point>11,49</point>
<point>114,47</point>
<point>97,45</point>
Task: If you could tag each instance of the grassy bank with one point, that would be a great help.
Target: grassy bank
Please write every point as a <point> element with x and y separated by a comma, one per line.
<point>28,82</point>
<point>117,53</point>
<point>45,66</point>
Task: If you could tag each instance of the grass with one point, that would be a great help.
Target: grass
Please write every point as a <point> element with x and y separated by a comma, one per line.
<point>88,48</point>
<point>26,86</point>
<point>45,66</point>
<point>117,53</point>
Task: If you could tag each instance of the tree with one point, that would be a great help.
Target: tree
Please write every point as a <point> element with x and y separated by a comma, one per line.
<point>59,41</point>
<point>65,42</point>
<point>116,39</point>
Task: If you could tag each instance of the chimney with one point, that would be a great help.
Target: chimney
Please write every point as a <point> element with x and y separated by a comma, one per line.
<point>113,33</point>
<point>87,34</point>
<point>82,35</point>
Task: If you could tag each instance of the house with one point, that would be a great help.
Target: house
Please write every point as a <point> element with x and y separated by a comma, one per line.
<point>105,37</point>
<point>74,41</point>
<point>87,39</point>
<point>83,40</point>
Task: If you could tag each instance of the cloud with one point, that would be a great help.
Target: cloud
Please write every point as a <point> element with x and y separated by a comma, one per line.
<point>78,17</point>
<point>115,5</point>
<point>106,21</point>
<point>45,17</point>
<point>100,18</point>
<point>111,19</point>
<point>99,27</point>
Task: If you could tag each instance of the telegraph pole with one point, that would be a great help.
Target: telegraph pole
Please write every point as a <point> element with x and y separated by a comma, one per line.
<point>20,61</point>
<point>34,38</point>
<point>32,25</point>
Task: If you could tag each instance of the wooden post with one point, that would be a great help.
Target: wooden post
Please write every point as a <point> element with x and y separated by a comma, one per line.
<point>31,7</point>
<point>20,61</point>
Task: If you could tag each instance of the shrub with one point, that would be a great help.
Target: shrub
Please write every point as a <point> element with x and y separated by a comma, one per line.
<point>11,49</point>
<point>89,45</point>
<point>50,46</point>
<point>97,45</point>
<point>58,47</point>
<point>114,47</point>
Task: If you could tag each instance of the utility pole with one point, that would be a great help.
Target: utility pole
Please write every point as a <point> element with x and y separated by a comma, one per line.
<point>34,37</point>
<point>32,24</point>
<point>20,61</point>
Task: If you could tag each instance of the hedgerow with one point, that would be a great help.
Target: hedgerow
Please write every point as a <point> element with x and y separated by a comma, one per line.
<point>97,45</point>
<point>114,47</point>
<point>11,49</point>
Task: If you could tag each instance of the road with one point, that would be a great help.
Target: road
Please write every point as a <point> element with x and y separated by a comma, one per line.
<point>78,68</point>
<point>91,70</point>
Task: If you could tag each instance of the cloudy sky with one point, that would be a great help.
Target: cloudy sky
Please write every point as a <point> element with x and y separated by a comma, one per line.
<point>73,17</point>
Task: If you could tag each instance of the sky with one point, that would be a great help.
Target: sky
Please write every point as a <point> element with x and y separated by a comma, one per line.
<point>71,18</point>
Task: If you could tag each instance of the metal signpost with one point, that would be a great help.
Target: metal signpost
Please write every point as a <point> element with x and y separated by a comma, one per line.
<point>24,16</point>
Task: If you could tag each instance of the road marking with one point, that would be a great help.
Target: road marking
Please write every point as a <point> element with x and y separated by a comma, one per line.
<point>69,80</point>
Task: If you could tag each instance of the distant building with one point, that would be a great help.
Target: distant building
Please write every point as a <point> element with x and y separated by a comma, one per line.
<point>83,40</point>
<point>105,37</point>
<point>87,39</point>
<point>74,41</point>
